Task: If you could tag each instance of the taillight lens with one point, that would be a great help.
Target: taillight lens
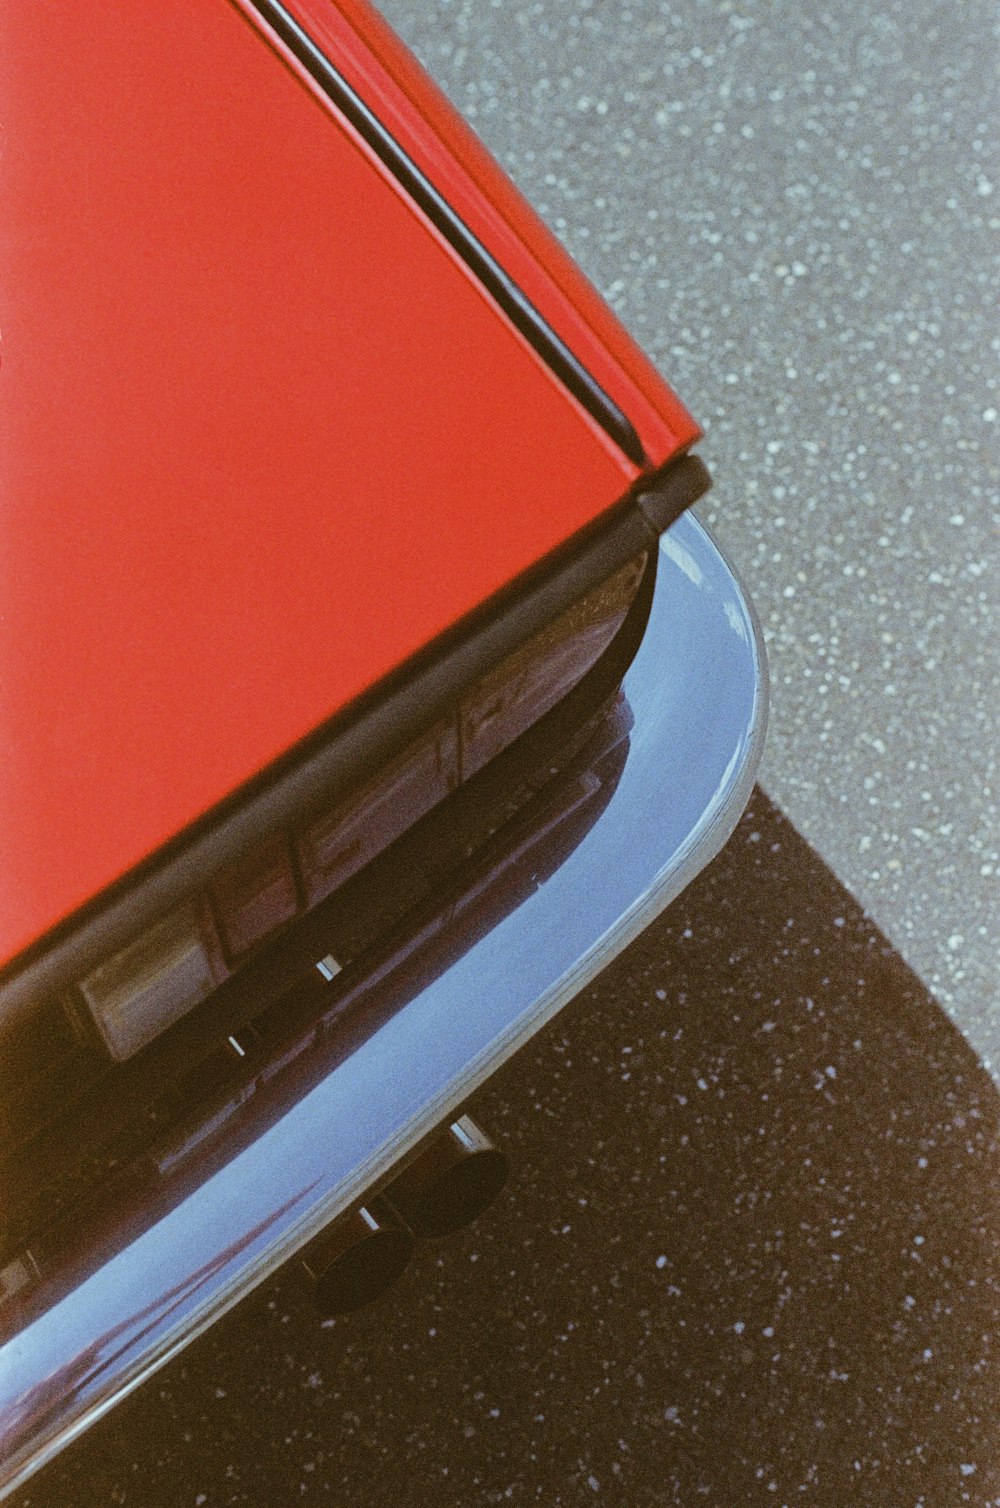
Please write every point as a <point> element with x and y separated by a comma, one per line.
<point>339,842</point>
<point>176,964</point>
<point>149,985</point>
<point>255,897</point>
<point>529,682</point>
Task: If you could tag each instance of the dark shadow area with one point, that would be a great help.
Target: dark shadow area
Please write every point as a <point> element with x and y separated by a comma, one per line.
<point>748,1253</point>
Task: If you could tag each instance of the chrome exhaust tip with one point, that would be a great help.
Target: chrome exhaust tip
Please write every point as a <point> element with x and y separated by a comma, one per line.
<point>451,1182</point>
<point>357,1258</point>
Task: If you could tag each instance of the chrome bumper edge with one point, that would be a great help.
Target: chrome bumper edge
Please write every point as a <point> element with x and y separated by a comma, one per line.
<point>698,694</point>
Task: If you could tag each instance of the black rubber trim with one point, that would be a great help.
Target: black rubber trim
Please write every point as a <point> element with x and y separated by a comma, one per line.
<point>356,740</point>
<point>517,307</point>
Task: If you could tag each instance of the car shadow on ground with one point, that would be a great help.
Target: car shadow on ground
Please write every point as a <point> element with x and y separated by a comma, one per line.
<point>749,1252</point>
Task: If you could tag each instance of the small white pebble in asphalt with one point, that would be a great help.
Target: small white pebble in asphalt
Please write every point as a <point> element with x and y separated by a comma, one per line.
<point>593,1484</point>
<point>739,1327</point>
<point>967,1468</point>
<point>661,1261</point>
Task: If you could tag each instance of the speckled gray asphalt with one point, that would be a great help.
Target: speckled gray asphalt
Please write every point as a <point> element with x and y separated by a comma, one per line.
<point>795,208</point>
<point>751,1248</point>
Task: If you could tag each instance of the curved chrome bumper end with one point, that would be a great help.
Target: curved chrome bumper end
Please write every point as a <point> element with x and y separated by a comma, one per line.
<point>698,695</point>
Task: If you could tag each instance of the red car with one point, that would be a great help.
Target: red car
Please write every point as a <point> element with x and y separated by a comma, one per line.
<point>365,684</point>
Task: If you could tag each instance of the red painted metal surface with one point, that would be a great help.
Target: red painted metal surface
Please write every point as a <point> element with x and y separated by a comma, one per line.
<point>373,59</point>
<point>262,435</point>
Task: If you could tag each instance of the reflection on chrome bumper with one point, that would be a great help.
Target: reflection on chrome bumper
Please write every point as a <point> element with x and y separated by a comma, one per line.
<point>697,693</point>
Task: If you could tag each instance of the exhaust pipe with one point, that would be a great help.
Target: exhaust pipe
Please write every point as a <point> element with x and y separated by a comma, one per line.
<point>357,1258</point>
<point>451,1182</point>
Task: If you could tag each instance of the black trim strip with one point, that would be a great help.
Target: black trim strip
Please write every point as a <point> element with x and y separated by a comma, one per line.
<point>519,310</point>
<point>361,736</point>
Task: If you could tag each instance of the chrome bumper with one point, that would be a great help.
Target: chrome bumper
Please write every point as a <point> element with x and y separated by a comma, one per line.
<point>697,693</point>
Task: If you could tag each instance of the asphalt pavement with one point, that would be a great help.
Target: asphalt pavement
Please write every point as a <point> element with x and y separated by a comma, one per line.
<point>795,209</point>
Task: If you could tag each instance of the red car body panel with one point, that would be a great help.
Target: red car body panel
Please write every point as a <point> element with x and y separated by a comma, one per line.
<point>253,456</point>
<point>375,61</point>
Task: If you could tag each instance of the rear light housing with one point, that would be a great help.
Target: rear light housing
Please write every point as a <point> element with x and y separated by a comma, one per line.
<point>172,966</point>
<point>149,985</point>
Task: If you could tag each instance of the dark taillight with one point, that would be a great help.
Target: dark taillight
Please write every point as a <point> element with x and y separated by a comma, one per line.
<point>529,682</point>
<point>338,842</point>
<point>149,985</point>
<point>144,988</point>
<point>254,898</point>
